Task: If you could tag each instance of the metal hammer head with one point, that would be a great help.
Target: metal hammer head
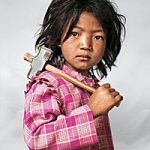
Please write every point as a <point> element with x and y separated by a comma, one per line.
<point>39,61</point>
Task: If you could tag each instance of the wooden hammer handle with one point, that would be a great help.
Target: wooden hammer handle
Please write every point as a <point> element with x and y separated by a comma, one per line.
<point>28,57</point>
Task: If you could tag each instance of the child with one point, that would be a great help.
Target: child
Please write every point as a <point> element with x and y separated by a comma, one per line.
<point>85,36</point>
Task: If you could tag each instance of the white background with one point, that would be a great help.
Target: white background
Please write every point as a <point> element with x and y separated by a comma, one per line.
<point>19,22</point>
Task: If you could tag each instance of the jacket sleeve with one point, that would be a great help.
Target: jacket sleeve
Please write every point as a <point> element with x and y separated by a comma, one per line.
<point>47,128</point>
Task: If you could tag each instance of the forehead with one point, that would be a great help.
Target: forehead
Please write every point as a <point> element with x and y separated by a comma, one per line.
<point>84,19</point>
<point>88,19</point>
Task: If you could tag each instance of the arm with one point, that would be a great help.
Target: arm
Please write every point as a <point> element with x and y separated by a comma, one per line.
<point>46,127</point>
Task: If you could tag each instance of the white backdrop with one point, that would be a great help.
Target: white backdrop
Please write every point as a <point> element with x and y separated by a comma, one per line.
<point>19,21</point>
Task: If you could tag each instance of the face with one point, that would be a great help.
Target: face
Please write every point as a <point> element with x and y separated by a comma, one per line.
<point>86,44</point>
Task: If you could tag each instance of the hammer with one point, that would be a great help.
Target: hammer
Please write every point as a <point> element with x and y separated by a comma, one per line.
<point>39,62</point>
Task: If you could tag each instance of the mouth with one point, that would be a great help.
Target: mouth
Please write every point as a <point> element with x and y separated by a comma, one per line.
<point>83,57</point>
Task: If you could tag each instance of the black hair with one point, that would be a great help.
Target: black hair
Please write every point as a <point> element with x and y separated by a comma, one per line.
<point>60,13</point>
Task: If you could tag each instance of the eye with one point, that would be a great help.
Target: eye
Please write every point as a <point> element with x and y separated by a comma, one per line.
<point>99,37</point>
<point>75,34</point>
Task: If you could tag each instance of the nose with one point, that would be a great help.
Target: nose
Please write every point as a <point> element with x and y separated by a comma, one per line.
<point>86,43</point>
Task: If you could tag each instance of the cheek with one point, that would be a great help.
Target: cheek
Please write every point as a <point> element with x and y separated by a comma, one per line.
<point>99,55</point>
<point>66,52</point>
<point>66,46</point>
<point>100,52</point>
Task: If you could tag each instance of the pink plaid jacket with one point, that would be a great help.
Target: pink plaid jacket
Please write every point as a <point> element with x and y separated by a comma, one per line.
<point>57,117</point>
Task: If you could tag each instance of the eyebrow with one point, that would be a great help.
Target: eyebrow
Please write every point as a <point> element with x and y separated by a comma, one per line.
<point>95,30</point>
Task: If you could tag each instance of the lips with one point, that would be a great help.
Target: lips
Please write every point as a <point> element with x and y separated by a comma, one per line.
<point>83,57</point>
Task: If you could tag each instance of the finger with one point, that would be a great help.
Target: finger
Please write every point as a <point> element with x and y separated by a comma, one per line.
<point>118,98</point>
<point>114,93</point>
<point>111,90</point>
<point>106,85</point>
<point>118,104</point>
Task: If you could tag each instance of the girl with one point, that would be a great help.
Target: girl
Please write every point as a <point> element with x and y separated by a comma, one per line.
<point>85,36</point>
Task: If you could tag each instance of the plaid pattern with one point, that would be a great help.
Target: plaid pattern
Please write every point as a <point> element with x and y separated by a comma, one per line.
<point>57,117</point>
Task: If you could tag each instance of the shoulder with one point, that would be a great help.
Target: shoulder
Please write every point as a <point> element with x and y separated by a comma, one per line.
<point>45,79</point>
<point>51,78</point>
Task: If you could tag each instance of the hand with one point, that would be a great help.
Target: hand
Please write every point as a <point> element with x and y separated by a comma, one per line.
<point>104,99</point>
